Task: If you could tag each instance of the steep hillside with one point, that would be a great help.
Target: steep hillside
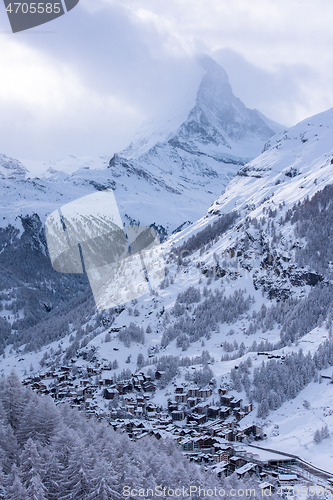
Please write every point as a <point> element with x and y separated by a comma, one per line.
<point>246,287</point>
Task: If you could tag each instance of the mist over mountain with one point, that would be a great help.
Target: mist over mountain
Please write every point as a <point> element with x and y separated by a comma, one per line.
<point>197,150</point>
<point>176,166</point>
<point>212,120</point>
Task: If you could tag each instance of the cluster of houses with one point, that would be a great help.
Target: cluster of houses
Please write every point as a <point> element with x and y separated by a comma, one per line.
<point>205,445</point>
<point>79,386</point>
<point>199,426</point>
<point>139,383</point>
<point>191,403</point>
<point>207,432</point>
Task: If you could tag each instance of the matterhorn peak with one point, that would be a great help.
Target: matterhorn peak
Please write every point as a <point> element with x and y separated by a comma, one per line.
<point>215,74</point>
<point>213,122</point>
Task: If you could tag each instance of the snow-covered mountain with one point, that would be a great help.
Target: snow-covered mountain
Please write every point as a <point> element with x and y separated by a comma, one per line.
<point>295,164</point>
<point>167,178</point>
<point>196,152</point>
<point>176,166</point>
<point>213,122</point>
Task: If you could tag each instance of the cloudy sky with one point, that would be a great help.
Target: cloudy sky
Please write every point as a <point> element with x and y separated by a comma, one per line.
<point>83,83</point>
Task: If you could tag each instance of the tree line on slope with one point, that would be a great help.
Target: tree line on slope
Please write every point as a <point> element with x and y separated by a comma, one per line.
<point>30,288</point>
<point>206,236</point>
<point>192,323</point>
<point>279,380</point>
<point>295,316</point>
<point>312,220</point>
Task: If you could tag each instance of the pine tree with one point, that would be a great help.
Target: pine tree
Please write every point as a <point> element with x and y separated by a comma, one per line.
<point>8,442</point>
<point>324,433</point>
<point>140,360</point>
<point>101,485</point>
<point>36,490</point>
<point>16,491</point>
<point>39,421</point>
<point>31,471</point>
<point>263,409</point>
<point>76,483</point>
<point>317,437</point>
<point>2,486</point>
<point>53,474</point>
<point>13,399</point>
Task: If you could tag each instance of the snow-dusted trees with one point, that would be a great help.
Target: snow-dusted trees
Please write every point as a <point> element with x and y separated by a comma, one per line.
<point>168,365</point>
<point>202,377</point>
<point>39,420</point>
<point>325,433</point>
<point>240,376</point>
<point>36,288</point>
<point>16,491</point>
<point>76,478</point>
<point>275,382</point>
<point>189,296</point>
<point>306,404</point>
<point>87,460</point>
<point>13,399</point>
<point>312,220</point>
<point>32,471</point>
<point>140,360</point>
<point>263,409</point>
<point>307,314</point>
<point>102,483</point>
<point>183,341</point>
<point>5,329</point>
<point>279,380</point>
<point>206,236</point>
<point>321,434</point>
<point>215,308</point>
<point>8,442</point>
<point>132,333</point>
<point>296,317</point>
<point>317,437</point>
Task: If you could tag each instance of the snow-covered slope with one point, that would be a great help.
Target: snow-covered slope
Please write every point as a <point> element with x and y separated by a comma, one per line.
<point>295,164</point>
<point>250,282</point>
<point>182,167</point>
<point>10,167</point>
